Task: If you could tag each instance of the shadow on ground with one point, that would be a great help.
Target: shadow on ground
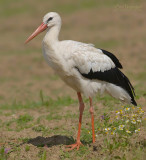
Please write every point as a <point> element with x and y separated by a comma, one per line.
<point>51,141</point>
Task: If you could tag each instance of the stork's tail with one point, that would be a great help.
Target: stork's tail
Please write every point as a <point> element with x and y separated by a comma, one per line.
<point>124,90</point>
<point>119,93</point>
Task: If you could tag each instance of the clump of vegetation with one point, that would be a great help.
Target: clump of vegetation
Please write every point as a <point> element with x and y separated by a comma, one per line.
<point>23,119</point>
<point>4,153</point>
<point>42,155</point>
<point>120,128</point>
<point>126,122</point>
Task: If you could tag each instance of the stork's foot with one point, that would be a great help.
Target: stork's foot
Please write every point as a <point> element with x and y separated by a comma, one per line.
<point>73,146</point>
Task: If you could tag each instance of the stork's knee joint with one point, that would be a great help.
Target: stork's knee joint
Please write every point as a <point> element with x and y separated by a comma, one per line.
<point>81,107</point>
<point>91,110</point>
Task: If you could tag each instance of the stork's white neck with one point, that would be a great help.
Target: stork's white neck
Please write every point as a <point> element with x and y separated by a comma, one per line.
<point>51,36</point>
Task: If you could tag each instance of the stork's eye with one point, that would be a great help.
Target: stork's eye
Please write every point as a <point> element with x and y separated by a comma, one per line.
<point>49,19</point>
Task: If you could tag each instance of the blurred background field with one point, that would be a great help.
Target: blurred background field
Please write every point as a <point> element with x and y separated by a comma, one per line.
<point>26,81</point>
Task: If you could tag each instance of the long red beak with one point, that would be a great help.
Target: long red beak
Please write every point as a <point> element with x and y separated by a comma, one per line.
<point>40,29</point>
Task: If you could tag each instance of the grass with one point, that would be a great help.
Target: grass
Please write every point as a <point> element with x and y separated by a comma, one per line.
<point>23,119</point>
<point>109,43</point>
<point>51,103</point>
<point>64,7</point>
<point>119,129</point>
<point>3,156</point>
<point>43,155</point>
<point>27,148</point>
<point>113,144</point>
<point>110,137</point>
<point>40,128</point>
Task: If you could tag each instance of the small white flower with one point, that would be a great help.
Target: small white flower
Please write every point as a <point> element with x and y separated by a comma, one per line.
<point>138,130</point>
<point>105,129</point>
<point>112,133</point>
<point>117,117</point>
<point>127,109</point>
<point>134,115</point>
<point>121,127</point>
<point>121,112</point>
<point>133,121</point>
<point>128,131</point>
<point>96,135</point>
<point>139,120</point>
<point>108,129</point>
<point>127,121</point>
<point>139,108</point>
<point>141,112</point>
<point>117,112</point>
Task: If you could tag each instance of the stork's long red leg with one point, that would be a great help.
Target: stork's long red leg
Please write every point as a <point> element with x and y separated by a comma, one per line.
<point>81,109</point>
<point>92,119</point>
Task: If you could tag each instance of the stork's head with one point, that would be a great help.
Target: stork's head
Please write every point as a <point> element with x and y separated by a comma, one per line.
<point>50,20</point>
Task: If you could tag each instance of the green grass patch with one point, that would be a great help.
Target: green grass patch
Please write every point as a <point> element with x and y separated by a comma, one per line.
<point>23,119</point>
<point>27,148</point>
<point>50,103</point>
<point>40,128</point>
<point>108,43</point>
<point>43,155</point>
<point>53,117</point>
<point>3,155</point>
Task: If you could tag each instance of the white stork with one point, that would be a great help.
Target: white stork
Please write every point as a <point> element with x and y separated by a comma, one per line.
<point>84,68</point>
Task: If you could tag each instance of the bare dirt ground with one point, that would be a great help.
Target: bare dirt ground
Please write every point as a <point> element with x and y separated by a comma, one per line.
<point>118,28</point>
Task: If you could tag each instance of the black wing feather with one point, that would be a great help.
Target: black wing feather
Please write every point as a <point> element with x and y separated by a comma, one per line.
<point>113,57</point>
<point>114,76</point>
